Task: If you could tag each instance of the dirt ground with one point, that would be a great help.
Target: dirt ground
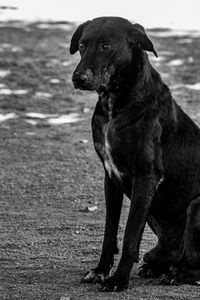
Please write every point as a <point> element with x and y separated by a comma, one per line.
<point>50,176</point>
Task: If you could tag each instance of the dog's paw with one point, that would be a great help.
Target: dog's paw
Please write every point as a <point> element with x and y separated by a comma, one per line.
<point>177,276</point>
<point>94,277</point>
<point>115,283</point>
<point>147,271</point>
<point>171,277</point>
<point>166,279</point>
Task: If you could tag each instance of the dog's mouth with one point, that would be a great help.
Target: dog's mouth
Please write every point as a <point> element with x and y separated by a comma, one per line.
<point>93,85</point>
<point>85,86</point>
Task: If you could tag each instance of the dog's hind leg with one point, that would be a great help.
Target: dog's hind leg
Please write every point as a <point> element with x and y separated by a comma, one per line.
<point>157,260</point>
<point>114,198</point>
<point>155,263</point>
<point>187,270</point>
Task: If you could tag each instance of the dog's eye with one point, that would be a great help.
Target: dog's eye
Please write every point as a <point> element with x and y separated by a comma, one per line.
<point>81,47</point>
<point>106,47</point>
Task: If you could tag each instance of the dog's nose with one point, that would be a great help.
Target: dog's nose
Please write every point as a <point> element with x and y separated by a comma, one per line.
<point>83,79</point>
<point>79,79</point>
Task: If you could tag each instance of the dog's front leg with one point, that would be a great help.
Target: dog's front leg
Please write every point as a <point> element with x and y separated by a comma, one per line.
<point>113,197</point>
<point>143,190</point>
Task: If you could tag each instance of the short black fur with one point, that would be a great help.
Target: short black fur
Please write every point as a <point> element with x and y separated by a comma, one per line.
<point>150,150</point>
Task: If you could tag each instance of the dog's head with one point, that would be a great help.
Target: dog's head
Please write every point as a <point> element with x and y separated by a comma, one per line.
<point>106,45</point>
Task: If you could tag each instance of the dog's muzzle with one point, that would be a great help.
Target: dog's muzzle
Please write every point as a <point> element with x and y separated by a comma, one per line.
<point>84,80</point>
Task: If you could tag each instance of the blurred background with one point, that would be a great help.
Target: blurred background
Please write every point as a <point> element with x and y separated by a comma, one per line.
<point>52,207</point>
<point>155,13</point>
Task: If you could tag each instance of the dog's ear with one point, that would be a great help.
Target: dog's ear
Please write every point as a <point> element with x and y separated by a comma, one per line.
<point>76,37</point>
<point>140,38</point>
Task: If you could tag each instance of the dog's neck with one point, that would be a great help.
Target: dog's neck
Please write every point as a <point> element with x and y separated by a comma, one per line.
<point>129,89</point>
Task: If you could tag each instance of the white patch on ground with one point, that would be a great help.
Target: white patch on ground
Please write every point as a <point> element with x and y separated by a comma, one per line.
<point>36,115</point>
<point>178,33</point>
<point>4,73</point>
<point>53,119</point>
<point>15,24</point>
<point>86,110</point>
<point>5,46</point>
<point>7,117</point>
<point>54,26</point>
<point>20,92</point>
<point>65,119</point>
<point>185,41</point>
<point>54,80</point>
<point>83,141</point>
<point>16,49</point>
<point>65,298</point>
<point>91,208</point>
<point>164,75</point>
<point>5,92</point>
<point>9,47</point>
<point>30,133</point>
<point>53,62</point>
<point>13,49</point>
<point>66,63</point>
<point>32,122</point>
<point>195,86</point>
<point>8,92</point>
<point>2,85</point>
<point>64,45</point>
<point>190,59</point>
<point>175,62</point>
<point>43,95</point>
<point>165,53</point>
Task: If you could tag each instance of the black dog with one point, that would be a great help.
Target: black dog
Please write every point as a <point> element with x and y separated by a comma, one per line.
<point>150,150</point>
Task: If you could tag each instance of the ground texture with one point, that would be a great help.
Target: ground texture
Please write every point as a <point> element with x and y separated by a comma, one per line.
<point>51,201</point>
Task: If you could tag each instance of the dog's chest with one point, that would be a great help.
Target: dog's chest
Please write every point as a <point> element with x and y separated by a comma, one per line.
<point>110,156</point>
<point>106,145</point>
